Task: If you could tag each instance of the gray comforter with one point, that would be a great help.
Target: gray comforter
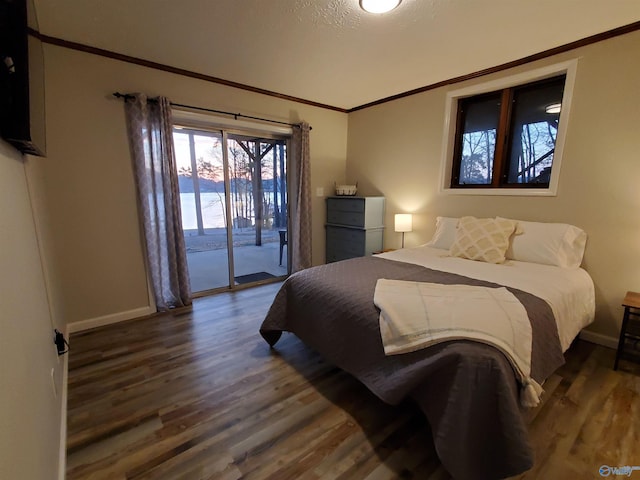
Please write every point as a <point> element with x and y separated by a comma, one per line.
<point>467,390</point>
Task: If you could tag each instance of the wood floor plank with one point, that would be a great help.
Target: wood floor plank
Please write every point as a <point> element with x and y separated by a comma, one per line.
<point>197,394</point>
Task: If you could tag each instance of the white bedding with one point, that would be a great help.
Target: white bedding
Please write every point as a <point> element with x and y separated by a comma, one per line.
<point>568,291</point>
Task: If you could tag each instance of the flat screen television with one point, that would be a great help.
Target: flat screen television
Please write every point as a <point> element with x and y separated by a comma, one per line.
<point>22,107</point>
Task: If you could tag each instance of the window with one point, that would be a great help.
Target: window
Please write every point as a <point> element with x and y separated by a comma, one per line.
<point>508,137</point>
<point>505,137</point>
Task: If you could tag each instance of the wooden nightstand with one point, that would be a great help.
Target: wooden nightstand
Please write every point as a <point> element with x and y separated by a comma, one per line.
<point>629,342</point>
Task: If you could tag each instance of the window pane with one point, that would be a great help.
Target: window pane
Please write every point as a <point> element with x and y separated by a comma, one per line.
<point>477,141</point>
<point>257,172</point>
<point>534,131</point>
<point>199,163</point>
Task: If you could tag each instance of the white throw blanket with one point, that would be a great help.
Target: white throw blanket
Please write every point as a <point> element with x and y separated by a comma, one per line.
<point>415,315</point>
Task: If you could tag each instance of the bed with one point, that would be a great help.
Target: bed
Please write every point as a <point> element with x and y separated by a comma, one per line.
<point>468,390</point>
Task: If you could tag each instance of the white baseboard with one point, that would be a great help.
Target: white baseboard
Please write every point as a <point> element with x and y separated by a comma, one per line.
<point>62,461</point>
<point>109,319</point>
<point>600,339</point>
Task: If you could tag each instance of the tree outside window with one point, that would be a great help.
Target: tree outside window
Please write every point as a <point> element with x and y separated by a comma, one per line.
<point>507,138</point>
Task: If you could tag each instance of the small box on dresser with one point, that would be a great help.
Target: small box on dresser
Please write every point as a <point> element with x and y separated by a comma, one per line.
<point>354,228</point>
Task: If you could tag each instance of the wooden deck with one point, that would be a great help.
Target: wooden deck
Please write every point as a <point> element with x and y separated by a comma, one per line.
<point>198,395</point>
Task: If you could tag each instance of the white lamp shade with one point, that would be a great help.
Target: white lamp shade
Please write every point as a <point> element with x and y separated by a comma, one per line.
<point>403,222</point>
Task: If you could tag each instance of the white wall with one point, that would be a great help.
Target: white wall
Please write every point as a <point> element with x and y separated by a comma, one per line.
<point>395,149</point>
<point>30,411</point>
<point>85,196</point>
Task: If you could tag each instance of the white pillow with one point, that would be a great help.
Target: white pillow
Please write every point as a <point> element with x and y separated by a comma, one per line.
<point>556,244</point>
<point>445,233</point>
<point>483,239</point>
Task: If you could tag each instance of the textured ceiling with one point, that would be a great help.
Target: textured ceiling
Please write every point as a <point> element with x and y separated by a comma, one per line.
<point>329,51</point>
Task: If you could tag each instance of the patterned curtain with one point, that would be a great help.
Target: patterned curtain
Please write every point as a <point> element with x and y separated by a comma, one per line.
<point>300,181</point>
<point>151,140</point>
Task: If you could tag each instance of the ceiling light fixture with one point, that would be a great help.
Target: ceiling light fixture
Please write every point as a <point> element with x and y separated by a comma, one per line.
<point>379,6</point>
<point>553,108</point>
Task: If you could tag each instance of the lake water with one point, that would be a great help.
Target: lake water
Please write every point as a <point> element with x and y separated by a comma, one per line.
<point>212,210</point>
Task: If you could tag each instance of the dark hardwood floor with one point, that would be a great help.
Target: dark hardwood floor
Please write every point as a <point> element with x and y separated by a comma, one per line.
<point>198,394</point>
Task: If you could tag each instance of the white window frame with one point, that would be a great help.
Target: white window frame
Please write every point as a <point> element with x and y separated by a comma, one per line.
<point>193,119</point>
<point>568,68</point>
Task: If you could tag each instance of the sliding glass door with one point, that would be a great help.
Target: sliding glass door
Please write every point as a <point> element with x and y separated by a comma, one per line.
<point>257,173</point>
<point>234,207</point>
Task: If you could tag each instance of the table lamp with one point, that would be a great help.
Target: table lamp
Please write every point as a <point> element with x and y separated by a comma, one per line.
<point>403,223</point>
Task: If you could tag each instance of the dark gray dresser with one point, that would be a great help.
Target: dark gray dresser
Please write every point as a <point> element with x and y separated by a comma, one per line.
<point>354,227</point>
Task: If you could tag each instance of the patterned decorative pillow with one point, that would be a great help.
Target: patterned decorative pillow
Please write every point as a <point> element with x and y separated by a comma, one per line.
<point>483,239</point>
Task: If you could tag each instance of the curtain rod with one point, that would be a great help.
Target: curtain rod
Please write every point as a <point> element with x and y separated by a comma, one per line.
<point>128,96</point>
